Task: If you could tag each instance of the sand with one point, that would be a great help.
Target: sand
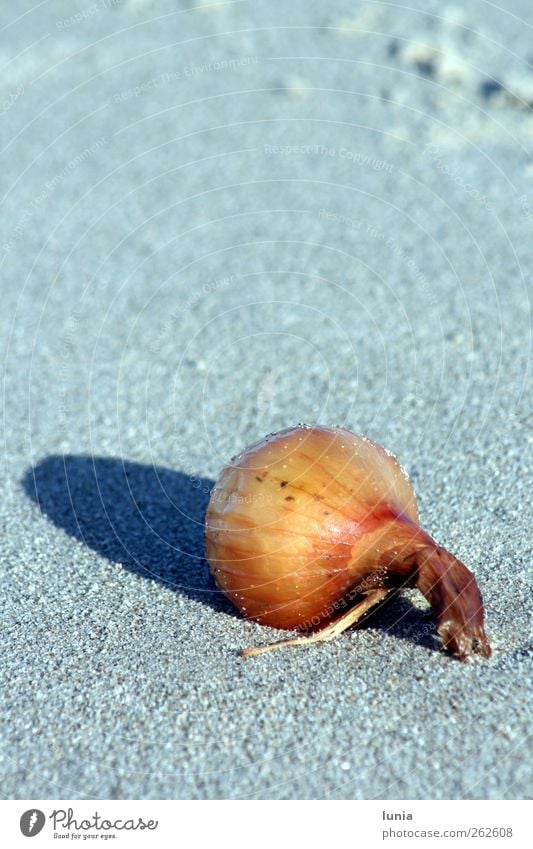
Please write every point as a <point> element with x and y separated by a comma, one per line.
<point>218,221</point>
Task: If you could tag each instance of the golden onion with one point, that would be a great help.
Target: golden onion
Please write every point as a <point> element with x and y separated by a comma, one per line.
<point>310,527</point>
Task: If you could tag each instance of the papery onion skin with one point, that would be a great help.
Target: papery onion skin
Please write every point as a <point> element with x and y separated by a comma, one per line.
<point>307,521</point>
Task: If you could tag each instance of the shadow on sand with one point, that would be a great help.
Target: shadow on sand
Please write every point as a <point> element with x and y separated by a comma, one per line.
<point>148,518</point>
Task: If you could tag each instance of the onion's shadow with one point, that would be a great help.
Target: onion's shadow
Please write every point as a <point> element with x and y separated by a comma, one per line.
<point>399,618</point>
<point>147,518</point>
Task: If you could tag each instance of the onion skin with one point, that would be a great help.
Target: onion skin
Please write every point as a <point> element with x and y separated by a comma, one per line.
<point>306,522</point>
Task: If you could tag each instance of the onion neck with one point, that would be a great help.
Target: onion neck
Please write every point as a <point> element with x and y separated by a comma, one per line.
<point>449,587</point>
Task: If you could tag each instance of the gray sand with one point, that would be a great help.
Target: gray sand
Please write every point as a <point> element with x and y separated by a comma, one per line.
<point>216,223</point>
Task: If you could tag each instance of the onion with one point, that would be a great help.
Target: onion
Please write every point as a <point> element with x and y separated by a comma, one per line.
<point>312,526</point>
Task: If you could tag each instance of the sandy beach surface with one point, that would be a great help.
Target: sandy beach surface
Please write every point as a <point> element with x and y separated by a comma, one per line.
<point>218,220</point>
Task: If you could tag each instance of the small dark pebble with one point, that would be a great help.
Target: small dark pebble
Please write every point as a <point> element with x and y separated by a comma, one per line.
<point>284,483</point>
<point>425,67</point>
<point>489,88</point>
<point>393,48</point>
